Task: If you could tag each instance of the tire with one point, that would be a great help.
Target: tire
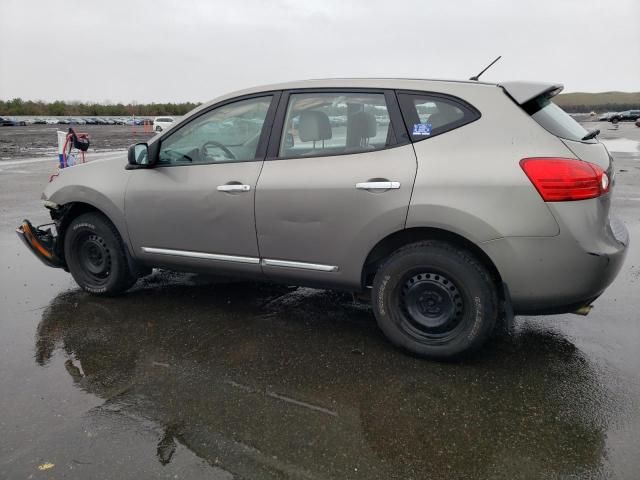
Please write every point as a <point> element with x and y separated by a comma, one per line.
<point>95,255</point>
<point>435,300</point>
<point>615,120</point>
<point>158,128</point>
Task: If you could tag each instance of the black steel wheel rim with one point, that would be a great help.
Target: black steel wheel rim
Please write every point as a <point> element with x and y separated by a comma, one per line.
<point>432,306</point>
<point>94,257</point>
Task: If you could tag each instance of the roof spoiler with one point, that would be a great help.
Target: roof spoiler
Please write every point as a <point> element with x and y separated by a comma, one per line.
<point>522,92</point>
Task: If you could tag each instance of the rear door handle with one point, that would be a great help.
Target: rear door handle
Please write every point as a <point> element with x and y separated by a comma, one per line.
<point>233,188</point>
<point>378,185</point>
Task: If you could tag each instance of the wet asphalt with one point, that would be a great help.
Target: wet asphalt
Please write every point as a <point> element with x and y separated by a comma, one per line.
<point>194,377</point>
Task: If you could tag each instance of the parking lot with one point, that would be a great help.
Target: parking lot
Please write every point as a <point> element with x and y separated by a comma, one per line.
<point>188,376</point>
<point>40,140</point>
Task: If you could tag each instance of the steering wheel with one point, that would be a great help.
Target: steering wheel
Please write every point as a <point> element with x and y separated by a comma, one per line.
<point>228,153</point>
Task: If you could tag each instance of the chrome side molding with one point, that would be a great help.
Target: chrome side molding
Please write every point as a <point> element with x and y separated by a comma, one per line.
<point>267,262</point>
<point>202,255</point>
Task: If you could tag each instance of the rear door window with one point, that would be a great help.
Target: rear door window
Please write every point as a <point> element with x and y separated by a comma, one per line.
<point>427,115</point>
<point>336,123</point>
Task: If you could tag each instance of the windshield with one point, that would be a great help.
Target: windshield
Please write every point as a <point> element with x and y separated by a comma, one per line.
<point>555,120</point>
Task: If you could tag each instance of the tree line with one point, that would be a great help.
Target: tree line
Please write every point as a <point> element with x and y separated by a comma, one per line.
<point>38,108</point>
<point>599,108</point>
<point>583,102</point>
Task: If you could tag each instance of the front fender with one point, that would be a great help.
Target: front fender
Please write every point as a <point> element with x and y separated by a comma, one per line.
<point>100,185</point>
<point>93,198</point>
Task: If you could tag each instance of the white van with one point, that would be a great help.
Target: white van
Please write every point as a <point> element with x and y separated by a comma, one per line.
<point>162,123</point>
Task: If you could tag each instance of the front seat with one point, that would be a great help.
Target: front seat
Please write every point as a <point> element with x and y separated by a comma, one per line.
<point>361,126</point>
<point>314,127</point>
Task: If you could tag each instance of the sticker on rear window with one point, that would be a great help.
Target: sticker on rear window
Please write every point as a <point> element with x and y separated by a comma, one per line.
<point>421,129</point>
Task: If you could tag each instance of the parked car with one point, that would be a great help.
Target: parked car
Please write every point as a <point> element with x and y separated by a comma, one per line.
<point>451,221</point>
<point>13,122</point>
<point>605,117</point>
<point>625,116</point>
<point>90,121</point>
<point>134,121</point>
<point>39,121</point>
<point>52,121</point>
<point>162,123</point>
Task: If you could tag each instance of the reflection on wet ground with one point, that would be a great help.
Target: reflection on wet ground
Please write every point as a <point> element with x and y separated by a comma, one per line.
<point>266,381</point>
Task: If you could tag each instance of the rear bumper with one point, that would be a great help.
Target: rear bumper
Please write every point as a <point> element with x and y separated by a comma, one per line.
<point>549,275</point>
<point>42,244</point>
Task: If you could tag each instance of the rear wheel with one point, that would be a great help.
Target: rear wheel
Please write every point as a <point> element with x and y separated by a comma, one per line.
<point>95,255</point>
<point>435,300</point>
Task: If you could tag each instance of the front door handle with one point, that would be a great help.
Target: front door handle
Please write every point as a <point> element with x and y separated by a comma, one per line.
<point>233,188</point>
<point>378,185</point>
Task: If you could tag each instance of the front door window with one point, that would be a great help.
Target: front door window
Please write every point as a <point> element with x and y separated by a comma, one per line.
<point>229,133</point>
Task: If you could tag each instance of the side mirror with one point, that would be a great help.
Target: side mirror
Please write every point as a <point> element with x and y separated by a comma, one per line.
<point>138,156</point>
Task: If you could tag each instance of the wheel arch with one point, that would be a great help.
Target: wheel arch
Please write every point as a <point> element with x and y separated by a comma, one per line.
<point>398,239</point>
<point>66,213</point>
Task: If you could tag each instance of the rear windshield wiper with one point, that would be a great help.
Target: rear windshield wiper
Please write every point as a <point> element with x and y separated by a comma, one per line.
<point>592,134</point>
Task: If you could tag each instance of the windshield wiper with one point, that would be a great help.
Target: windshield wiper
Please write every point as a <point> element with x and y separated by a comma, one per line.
<point>592,134</point>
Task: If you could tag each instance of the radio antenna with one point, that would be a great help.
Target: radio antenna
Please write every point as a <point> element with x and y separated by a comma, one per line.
<point>476,77</point>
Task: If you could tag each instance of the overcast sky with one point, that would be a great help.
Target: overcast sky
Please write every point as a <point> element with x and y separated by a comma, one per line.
<point>181,50</point>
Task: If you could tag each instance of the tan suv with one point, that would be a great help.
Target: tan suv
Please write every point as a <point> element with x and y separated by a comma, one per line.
<point>452,203</point>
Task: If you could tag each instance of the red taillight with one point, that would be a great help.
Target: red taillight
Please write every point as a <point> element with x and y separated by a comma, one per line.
<point>565,179</point>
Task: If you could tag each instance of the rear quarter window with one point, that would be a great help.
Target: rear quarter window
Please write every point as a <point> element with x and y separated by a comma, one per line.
<point>427,115</point>
<point>555,120</point>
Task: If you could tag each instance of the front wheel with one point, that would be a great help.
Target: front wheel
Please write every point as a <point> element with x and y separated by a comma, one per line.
<point>95,255</point>
<point>435,300</point>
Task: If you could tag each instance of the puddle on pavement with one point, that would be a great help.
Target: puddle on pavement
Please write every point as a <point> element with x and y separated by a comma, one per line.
<point>265,381</point>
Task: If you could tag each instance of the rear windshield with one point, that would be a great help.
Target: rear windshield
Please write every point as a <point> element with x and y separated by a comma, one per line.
<point>555,120</point>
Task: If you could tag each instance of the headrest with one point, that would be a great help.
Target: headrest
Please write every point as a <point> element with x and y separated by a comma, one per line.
<point>363,125</point>
<point>437,120</point>
<point>314,125</point>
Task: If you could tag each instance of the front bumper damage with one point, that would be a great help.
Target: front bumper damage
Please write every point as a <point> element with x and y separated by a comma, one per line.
<point>42,242</point>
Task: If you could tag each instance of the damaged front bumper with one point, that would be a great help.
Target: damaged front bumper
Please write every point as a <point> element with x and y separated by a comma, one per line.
<point>41,242</point>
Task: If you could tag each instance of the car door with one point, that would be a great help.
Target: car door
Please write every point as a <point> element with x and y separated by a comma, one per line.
<point>195,208</point>
<point>337,179</point>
